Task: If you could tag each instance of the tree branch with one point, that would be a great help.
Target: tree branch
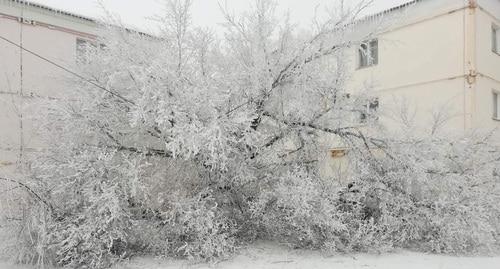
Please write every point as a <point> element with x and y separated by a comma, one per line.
<point>30,191</point>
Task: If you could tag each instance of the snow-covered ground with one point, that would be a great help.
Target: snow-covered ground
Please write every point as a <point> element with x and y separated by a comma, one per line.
<point>6,265</point>
<point>268,256</point>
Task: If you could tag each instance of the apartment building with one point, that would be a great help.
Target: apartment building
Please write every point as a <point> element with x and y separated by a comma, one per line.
<point>53,35</point>
<point>437,59</point>
<point>436,63</point>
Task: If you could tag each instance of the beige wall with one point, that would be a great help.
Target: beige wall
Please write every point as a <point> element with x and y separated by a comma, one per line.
<point>484,103</point>
<point>434,58</point>
<point>428,49</point>
<point>425,59</point>
<point>423,103</point>
<point>487,64</point>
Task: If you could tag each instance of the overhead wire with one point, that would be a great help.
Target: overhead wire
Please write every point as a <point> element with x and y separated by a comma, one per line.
<point>68,70</point>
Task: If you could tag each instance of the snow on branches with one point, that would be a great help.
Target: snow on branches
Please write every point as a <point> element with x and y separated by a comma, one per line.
<point>198,144</point>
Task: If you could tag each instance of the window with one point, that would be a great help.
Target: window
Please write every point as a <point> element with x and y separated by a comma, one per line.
<point>338,152</point>
<point>368,53</point>
<point>496,105</point>
<point>495,39</point>
<point>82,45</point>
<point>82,50</point>
<point>370,110</point>
<point>85,49</point>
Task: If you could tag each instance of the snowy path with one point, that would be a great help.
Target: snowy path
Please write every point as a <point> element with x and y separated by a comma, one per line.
<point>265,256</point>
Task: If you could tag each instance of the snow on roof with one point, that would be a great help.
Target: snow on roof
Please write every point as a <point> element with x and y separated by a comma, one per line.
<point>53,10</point>
<point>388,6</point>
<point>74,15</point>
<point>396,5</point>
<point>380,8</point>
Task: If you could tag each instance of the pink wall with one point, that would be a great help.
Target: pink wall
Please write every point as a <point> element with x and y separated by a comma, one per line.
<point>40,78</point>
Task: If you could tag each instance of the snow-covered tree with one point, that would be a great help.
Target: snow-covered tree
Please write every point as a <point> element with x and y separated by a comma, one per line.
<point>186,144</point>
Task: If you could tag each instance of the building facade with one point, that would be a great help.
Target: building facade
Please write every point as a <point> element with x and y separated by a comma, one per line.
<point>437,59</point>
<point>24,77</point>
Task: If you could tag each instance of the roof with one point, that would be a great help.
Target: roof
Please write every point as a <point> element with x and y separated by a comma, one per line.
<point>71,15</point>
<point>406,3</point>
<point>402,6</point>
<point>52,10</point>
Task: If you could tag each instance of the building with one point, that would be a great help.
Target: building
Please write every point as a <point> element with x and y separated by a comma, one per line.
<point>435,63</point>
<point>439,58</point>
<point>50,33</point>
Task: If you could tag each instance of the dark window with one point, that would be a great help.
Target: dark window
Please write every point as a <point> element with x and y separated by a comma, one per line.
<point>495,39</point>
<point>496,105</point>
<point>368,53</point>
<point>370,110</point>
<point>83,50</point>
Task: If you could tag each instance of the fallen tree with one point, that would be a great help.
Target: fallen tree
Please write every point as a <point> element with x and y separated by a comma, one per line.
<point>199,145</point>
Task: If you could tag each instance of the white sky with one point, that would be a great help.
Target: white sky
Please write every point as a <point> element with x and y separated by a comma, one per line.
<point>137,13</point>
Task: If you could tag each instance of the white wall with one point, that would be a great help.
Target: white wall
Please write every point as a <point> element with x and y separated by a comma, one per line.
<point>53,36</point>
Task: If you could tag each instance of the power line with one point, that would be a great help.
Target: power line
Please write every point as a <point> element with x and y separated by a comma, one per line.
<point>68,70</point>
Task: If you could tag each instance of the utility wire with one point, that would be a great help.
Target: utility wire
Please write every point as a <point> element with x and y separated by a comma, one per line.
<point>68,71</point>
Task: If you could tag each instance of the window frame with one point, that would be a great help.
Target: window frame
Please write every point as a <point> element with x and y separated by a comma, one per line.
<point>338,152</point>
<point>82,46</point>
<point>368,53</point>
<point>496,105</point>
<point>85,46</point>
<point>371,107</point>
<point>495,38</point>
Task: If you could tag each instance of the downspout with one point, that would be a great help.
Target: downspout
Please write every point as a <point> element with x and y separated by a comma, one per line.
<point>470,70</point>
<point>464,90</point>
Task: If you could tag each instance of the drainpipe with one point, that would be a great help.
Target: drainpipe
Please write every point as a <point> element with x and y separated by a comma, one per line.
<point>470,70</point>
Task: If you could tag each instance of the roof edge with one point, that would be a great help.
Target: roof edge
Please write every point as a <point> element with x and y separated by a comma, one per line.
<point>53,10</point>
<point>389,10</point>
